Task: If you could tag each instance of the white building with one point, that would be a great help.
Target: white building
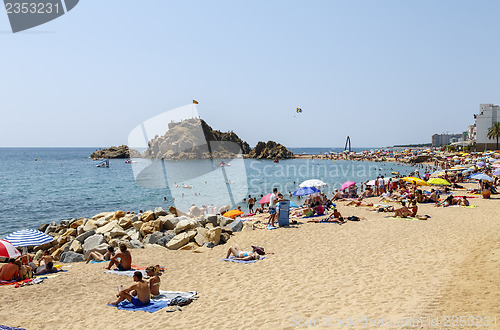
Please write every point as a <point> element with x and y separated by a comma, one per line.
<point>488,114</point>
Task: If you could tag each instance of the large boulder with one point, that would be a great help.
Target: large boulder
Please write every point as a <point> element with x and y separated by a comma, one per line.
<point>212,219</point>
<point>148,216</point>
<point>214,235</point>
<point>224,221</point>
<point>159,211</point>
<point>176,212</point>
<point>201,235</point>
<point>43,227</point>
<point>126,222</point>
<point>165,239</point>
<point>236,225</point>
<point>194,211</point>
<point>77,223</point>
<point>153,238</point>
<point>65,223</point>
<point>136,244</point>
<point>76,246</point>
<point>107,228</point>
<point>186,224</point>
<point>190,246</point>
<point>81,238</point>
<point>133,234</point>
<point>90,225</point>
<point>169,221</point>
<point>117,231</point>
<point>178,241</point>
<point>71,256</point>
<point>150,227</point>
<point>103,215</point>
<point>118,215</point>
<point>93,242</point>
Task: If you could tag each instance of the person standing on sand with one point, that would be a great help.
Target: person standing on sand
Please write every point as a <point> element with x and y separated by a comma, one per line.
<point>142,290</point>
<point>251,203</point>
<point>122,260</point>
<point>272,207</point>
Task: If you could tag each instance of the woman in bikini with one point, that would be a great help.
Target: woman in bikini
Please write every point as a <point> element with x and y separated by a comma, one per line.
<point>239,254</point>
<point>154,280</point>
<point>97,256</point>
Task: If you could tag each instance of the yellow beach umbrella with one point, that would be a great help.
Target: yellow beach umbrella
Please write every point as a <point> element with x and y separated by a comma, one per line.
<point>418,181</point>
<point>438,181</point>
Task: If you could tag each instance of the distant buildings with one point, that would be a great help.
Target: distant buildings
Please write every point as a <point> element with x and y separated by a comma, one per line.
<point>488,114</point>
<point>439,140</point>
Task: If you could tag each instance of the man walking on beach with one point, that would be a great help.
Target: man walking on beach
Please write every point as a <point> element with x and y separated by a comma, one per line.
<point>141,287</point>
<point>251,202</point>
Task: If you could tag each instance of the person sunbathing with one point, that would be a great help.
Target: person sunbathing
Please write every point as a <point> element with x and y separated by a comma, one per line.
<point>9,271</point>
<point>239,254</point>
<point>122,260</point>
<point>335,217</point>
<point>141,288</point>
<point>463,201</point>
<point>413,209</point>
<point>154,280</point>
<point>97,256</point>
<point>46,269</point>
<point>358,202</point>
<point>402,212</point>
<point>45,259</point>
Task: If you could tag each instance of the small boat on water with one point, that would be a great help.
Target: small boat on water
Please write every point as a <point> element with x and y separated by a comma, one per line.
<point>104,163</point>
<point>130,161</point>
<point>187,186</point>
<point>223,164</point>
<point>395,173</point>
<point>276,160</point>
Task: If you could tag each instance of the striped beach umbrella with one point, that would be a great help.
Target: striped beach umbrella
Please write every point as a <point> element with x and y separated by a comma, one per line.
<point>28,237</point>
<point>7,250</point>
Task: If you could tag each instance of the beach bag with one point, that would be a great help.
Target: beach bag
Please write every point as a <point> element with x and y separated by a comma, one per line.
<point>259,250</point>
<point>180,301</point>
<point>353,218</point>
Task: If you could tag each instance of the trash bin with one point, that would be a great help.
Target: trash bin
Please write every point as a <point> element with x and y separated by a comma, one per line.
<point>283,213</point>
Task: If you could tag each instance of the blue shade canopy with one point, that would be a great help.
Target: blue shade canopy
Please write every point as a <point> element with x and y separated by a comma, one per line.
<point>28,237</point>
<point>305,191</point>
<point>481,176</point>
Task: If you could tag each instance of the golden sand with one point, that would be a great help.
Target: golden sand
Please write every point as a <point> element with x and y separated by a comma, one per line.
<point>375,270</point>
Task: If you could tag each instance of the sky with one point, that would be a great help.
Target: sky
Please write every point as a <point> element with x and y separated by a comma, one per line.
<point>382,72</point>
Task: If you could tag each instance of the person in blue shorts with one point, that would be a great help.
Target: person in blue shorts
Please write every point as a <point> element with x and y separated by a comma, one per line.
<point>142,291</point>
<point>272,207</point>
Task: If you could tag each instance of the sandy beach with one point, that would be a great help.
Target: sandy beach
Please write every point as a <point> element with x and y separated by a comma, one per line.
<point>376,270</point>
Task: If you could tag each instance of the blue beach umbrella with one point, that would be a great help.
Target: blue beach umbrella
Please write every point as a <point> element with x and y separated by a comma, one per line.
<point>497,172</point>
<point>305,191</point>
<point>28,237</point>
<point>481,176</point>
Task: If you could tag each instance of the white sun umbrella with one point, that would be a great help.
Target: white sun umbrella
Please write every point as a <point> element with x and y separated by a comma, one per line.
<point>313,183</point>
<point>28,237</point>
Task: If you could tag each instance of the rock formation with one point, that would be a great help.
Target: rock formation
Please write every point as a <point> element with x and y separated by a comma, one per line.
<point>270,150</point>
<point>188,140</point>
<point>115,152</point>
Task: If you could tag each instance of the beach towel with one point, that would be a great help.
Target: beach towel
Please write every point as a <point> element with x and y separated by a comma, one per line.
<point>157,303</point>
<point>129,273</point>
<point>232,259</point>
<point>4,327</point>
<point>97,261</point>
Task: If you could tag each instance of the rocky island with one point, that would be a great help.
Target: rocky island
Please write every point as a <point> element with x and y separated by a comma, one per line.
<point>195,139</point>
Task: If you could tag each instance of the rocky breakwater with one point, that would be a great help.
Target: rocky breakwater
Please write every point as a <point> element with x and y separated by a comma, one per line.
<point>74,239</point>
<point>270,150</point>
<point>122,151</point>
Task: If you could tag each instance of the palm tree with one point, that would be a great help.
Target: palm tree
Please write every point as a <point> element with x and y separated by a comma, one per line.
<point>494,132</point>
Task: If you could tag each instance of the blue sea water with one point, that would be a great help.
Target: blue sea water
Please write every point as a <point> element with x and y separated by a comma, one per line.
<point>39,185</point>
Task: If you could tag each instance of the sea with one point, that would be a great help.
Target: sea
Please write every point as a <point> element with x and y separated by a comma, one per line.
<point>41,185</point>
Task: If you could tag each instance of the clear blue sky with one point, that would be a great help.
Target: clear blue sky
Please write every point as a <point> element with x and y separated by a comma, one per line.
<point>383,72</point>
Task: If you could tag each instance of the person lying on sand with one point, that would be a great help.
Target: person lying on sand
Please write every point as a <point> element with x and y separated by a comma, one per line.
<point>239,254</point>
<point>44,269</point>
<point>335,217</point>
<point>141,288</point>
<point>358,202</point>
<point>97,256</point>
<point>464,201</point>
<point>122,260</point>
